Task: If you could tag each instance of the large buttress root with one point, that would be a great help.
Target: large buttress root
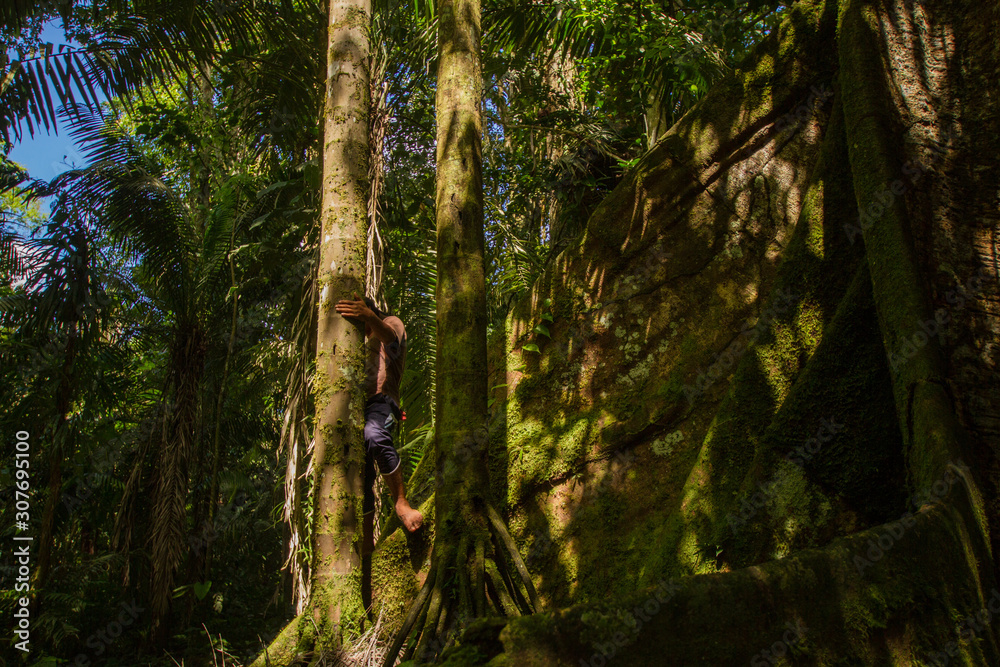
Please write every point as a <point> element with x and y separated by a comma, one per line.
<point>854,599</point>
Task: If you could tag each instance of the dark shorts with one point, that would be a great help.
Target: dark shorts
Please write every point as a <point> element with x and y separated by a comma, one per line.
<point>381,422</point>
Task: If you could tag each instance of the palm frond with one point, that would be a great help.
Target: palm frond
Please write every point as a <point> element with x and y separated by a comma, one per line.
<point>146,43</point>
<point>124,189</point>
<point>296,440</point>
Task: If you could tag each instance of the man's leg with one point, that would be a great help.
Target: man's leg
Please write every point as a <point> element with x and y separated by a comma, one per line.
<point>368,505</point>
<point>411,518</point>
<point>378,442</point>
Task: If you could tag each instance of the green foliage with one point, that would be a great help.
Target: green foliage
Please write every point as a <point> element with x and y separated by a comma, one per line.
<point>17,217</point>
<point>156,258</point>
<point>126,45</point>
<point>540,329</point>
<point>575,90</point>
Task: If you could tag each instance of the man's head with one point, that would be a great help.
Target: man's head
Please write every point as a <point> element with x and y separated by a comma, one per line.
<point>375,309</point>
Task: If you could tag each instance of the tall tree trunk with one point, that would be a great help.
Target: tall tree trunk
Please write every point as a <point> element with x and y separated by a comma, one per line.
<point>469,568</point>
<point>167,539</point>
<point>339,454</point>
<point>335,605</point>
<point>461,409</point>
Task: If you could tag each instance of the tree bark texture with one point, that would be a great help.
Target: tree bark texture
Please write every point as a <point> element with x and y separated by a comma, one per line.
<point>461,410</point>
<point>339,451</point>
<point>471,541</point>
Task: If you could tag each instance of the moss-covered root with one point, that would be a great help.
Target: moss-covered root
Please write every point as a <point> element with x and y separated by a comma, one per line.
<point>289,648</point>
<point>903,593</point>
<point>464,583</point>
<point>302,643</point>
<point>502,537</point>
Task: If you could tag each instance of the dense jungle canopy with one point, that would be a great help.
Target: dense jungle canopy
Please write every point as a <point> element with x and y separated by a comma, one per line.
<point>702,301</point>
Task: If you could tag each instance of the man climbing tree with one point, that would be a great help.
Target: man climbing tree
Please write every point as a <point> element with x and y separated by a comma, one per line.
<point>386,358</point>
<point>383,369</point>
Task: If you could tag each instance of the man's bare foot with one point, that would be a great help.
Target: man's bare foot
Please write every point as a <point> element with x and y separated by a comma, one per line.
<point>411,518</point>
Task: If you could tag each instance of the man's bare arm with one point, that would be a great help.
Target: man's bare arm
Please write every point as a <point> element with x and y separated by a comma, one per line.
<point>358,310</point>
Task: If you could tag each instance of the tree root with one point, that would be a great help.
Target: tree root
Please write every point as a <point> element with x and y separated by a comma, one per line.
<point>469,582</point>
<point>497,590</point>
<point>502,535</point>
<point>287,648</point>
<point>417,611</point>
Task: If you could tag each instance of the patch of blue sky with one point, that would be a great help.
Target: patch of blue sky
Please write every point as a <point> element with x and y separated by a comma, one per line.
<point>47,154</point>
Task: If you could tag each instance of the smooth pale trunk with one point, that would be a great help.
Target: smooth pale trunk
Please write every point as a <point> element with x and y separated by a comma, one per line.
<point>339,455</point>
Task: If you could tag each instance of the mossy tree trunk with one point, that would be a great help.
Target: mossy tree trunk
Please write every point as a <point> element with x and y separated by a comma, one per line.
<point>339,452</point>
<point>335,612</point>
<point>461,409</point>
<point>470,574</point>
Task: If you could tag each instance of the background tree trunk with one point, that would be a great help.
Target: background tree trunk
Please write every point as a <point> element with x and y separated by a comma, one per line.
<point>469,570</point>
<point>461,410</point>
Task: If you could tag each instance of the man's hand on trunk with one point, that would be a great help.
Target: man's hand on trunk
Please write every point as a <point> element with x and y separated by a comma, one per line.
<point>356,310</point>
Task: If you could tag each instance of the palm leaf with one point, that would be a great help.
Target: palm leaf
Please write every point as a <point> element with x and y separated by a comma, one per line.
<point>147,42</point>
